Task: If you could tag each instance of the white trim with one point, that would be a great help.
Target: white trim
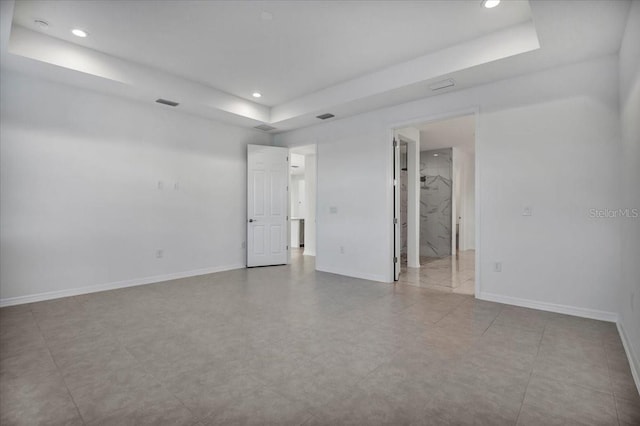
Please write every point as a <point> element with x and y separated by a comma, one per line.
<point>308,253</point>
<point>31,298</point>
<point>355,274</point>
<point>550,307</point>
<point>477,185</point>
<point>634,362</point>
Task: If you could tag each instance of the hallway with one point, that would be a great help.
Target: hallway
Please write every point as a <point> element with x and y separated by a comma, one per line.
<point>454,274</point>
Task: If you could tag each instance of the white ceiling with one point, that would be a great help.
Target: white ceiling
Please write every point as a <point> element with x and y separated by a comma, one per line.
<point>458,132</point>
<point>305,47</point>
<point>308,58</point>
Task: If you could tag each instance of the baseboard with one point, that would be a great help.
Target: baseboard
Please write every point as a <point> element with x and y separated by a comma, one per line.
<point>354,274</point>
<point>309,253</point>
<point>550,307</point>
<point>634,363</point>
<point>31,298</point>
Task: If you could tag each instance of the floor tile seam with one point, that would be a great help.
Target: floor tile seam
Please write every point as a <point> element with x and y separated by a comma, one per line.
<point>524,396</point>
<point>575,384</point>
<point>60,372</point>
<point>615,404</point>
<point>274,388</point>
<point>177,398</point>
<point>492,321</point>
<point>263,385</point>
<point>637,399</point>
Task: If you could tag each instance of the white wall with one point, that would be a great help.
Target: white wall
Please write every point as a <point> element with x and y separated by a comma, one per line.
<point>351,166</point>
<point>464,172</point>
<point>629,305</point>
<point>550,140</point>
<point>79,200</point>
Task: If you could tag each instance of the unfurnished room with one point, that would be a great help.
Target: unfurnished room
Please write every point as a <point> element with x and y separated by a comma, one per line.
<point>320,212</point>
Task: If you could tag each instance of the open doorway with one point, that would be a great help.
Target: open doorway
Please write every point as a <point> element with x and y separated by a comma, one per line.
<point>302,193</point>
<point>440,185</point>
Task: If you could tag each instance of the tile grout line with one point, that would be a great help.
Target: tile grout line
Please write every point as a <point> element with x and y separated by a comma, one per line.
<point>531,373</point>
<point>58,369</point>
<point>162,385</point>
<point>613,395</point>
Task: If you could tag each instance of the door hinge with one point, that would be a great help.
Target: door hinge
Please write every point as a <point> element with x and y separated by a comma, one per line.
<point>287,158</point>
<point>395,182</point>
<point>287,247</point>
<point>395,143</point>
<point>395,220</point>
<point>395,260</point>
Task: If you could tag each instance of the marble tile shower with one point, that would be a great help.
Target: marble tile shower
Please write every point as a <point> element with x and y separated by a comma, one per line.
<point>435,202</point>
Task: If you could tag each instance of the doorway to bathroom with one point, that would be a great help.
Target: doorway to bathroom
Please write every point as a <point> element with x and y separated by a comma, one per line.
<point>436,197</point>
<point>302,202</point>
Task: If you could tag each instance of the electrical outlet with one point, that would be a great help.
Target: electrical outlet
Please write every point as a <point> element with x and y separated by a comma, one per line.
<point>333,210</point>
<point>527,211</point>
<point>497,267</point>
<point>159,253</point>
<point>341,249</point>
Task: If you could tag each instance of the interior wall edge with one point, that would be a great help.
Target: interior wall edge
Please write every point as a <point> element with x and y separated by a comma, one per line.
<point>634,362</point>
<point>50,295</point>
<point>550,307</point>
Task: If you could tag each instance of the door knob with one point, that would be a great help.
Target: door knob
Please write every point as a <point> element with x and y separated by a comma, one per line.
<point>250,220</point>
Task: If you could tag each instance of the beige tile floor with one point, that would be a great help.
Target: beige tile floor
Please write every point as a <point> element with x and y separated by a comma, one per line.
<point>289,346</point>
<point>450,273</point>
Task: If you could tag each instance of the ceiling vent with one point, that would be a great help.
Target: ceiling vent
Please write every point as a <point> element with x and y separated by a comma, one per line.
<point>442,84</point>
<point>264,127</point>
<point>325,116</point>
<point>167,102</point>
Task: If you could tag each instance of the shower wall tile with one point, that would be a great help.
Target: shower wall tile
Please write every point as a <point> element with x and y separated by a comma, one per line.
<point>435,202</point>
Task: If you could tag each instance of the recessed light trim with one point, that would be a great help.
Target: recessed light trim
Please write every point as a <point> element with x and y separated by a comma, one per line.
<point>490,4</point>
<point>256,94</point>
<point>79,33</point>
<point>435,155</point>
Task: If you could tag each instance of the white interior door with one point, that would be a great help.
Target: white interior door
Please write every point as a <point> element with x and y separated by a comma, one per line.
<point>267,205</point>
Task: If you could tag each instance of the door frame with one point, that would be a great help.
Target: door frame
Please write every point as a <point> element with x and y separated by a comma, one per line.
<point>311,223</point>
<point>475,110</point>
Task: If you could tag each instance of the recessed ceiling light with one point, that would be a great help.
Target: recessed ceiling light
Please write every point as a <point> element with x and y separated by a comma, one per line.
<point>42,24</point>
<point>490,4</point>
<point>256,94</point>
<point>435,155</point>
<point>79,33</point>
